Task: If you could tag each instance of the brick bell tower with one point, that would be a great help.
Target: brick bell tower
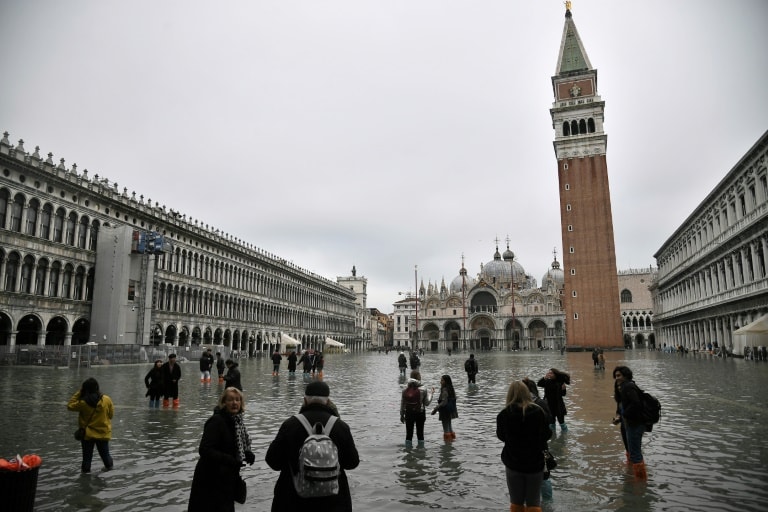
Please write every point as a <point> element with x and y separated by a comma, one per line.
<point>591,294</point>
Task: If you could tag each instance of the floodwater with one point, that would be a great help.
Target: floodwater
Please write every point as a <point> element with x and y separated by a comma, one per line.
<point>707,453</point>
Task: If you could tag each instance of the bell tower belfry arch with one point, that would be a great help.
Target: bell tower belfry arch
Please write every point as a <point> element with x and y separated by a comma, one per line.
<point>591,293</point>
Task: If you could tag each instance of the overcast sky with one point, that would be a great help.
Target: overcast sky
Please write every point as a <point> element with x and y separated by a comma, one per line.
<point>386,134</point>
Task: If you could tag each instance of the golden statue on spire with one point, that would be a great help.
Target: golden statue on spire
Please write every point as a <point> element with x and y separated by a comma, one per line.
<point>568,5</point>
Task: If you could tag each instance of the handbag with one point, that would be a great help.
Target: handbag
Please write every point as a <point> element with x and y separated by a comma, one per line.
<point>240,490</point>
<point>549,460</point>
<point>80,432</point>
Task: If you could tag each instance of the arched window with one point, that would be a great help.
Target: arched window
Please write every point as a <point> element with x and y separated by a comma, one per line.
<point>94,238</point>
<point>82,232</point>
<point>66,281</point>
<point>591,125</point>
<point>566,129</point>
<point>45,222</point>
<point>626,296</point>
<point>574,128</point>
<point>582,126</point>
<point>32,210</point>
<point>16,208</point>
<point>4,195</point>
<point>26,274</point>
<point>53,279</point>
<point>70,231</point>
<point>11,271</point>
<point>42,267</point>
<point>79,280</point>
<point>58,225</point>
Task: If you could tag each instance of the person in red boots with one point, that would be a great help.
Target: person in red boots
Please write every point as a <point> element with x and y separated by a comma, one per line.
<point>446,407</point>
<point>171,376</point>
<point>522,426</point>
<point>629,412</point>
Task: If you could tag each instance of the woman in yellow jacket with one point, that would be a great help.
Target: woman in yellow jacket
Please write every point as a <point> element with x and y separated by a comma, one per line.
<point>95,416</point>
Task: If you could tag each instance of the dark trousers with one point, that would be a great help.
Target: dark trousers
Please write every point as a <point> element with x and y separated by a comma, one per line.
<point>102,445</point>
<point>418,419</point>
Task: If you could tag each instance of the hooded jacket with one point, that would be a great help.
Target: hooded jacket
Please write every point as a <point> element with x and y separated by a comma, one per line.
<point>95,412</point>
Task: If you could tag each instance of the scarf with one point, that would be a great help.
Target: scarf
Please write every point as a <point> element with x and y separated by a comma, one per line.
<point>241,436</point>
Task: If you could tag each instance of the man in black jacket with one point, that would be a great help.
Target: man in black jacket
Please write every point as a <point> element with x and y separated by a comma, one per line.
<point>283,454</point>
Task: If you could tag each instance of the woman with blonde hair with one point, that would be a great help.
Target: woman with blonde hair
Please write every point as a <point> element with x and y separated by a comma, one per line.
<point>224,448</point>
<point>522,426</point>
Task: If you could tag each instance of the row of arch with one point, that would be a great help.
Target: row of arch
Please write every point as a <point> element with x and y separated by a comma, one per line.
<point>578,127</point>
<point>46,221</point>
<point>181,299</point>
<point>45,277</point>
<point>199,266</point>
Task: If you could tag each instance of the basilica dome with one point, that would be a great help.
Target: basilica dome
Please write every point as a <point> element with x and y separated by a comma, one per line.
<point>500,272</point>
<point>555,274</point>
<point>464,279</point>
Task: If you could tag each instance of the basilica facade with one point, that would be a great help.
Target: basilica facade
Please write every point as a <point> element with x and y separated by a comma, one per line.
<point>502,307</point>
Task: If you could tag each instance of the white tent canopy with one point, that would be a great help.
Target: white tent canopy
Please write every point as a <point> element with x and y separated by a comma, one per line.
<point>333,343</point>
<point>287,341</point>
<point>754,334</point>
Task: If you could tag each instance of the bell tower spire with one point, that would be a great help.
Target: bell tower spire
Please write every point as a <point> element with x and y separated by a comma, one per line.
<point>591,295</point>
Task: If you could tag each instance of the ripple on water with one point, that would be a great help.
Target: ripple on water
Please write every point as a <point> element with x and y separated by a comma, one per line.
<point>706,454</point>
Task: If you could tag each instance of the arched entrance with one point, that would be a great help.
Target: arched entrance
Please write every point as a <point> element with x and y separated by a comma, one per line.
<point>56,331</point>
<point>28,330</point>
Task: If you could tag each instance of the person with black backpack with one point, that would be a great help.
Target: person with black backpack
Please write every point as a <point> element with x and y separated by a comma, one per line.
<point>292,448</point>
<point>413,403</point>
<point>630,414</point>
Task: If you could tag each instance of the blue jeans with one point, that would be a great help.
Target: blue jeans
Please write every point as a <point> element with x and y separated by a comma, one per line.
<point>635,441</point>
<point>102,445</point>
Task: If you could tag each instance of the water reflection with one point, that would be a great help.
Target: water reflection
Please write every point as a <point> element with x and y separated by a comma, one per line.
<point>707,453</point>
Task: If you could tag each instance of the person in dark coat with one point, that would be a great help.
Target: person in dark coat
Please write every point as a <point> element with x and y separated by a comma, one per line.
<point>283,455</point>
<point>171,377</point>
<point>154,382</point>
<point>522,427</point>
<point>206,363</point>
<point>470,366</point>
<point>446,407</point>
<point>629,412</point>
<point>402,363</point>
<point>306,362</point>
<point>554,383</point>
<point>220,367</point>
<point>276,358</point>
<point>292,362</point>
<point>546,484</point>
<point>224,448</point>
<point>232,377</point>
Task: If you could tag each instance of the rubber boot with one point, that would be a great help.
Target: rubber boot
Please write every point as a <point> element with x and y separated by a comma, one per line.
<point>408,443</point>
<point>532,509</point>
<point>421,444</point>
<point>447,437</point>
<point>320,375</point>
<point>564,427</point>
<point>453,435</point>
<point>166,403</point>
<point>552,427</point>
<point>640,472</point>
<point>175,403</point>
<point>516,508</point>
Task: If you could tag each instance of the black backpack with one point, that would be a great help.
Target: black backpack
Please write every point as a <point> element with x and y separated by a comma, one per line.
<point>651,409</point>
